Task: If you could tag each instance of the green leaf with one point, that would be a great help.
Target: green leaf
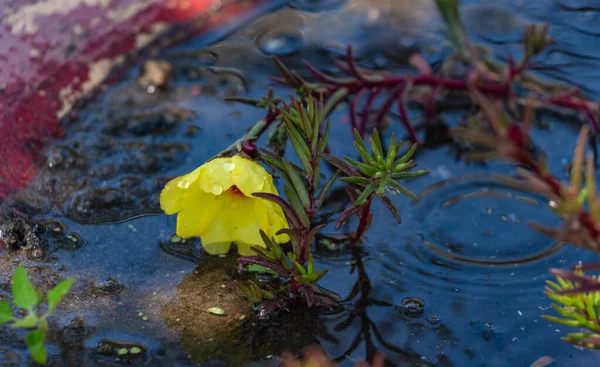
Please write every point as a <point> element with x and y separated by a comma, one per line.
<point>325,190</point>
<point>28,321</point>
<point>56,294</point>
<point>363,153</point>
<point>365,194</point>
<point>405,175</point>
<point>356,180</point>
<point>382,186</point>
<point>392,152</point>
<point>364,168</point>
<point>325,138</point>
<point>297,206</point>
<point>561,321</point>
<point>376,146</point>
<point>311,265</point>
<point>297,184</point>
<point>300,268</point>
<point>35,342</point>
<point>359,140</point>
<point>408,155</point>
<point>402,189</point>
<point>260,269</point>
<point>5,312</point>
<point>318,276</point>
<point>300,148</point>
<point>339,164</point>
<point>24,295</point>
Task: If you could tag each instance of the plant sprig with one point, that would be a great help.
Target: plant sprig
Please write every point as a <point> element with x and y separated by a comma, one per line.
<point>28,299</point>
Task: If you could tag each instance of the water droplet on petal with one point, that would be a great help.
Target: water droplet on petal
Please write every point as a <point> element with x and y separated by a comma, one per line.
<point>229,166</point>
<point>183,184</point>
<point>216,189</point>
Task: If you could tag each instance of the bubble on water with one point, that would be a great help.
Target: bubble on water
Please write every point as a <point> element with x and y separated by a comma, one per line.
<point>280,42</point>
<point>413,307</point>
<point>183,184</point>
<point>216,189</point>
<point>229,166</point>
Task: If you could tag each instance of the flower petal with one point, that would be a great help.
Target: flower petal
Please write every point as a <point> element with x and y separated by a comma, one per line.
<point>175,193</point>
<point>249,176</point>
<point>216,176</point>
<point>235,221</point>
<point>197,214</point>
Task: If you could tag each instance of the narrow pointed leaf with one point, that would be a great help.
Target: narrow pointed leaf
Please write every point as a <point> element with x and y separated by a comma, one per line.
<point>287,209</point>
<point>334,100</point>
<point>359,140</point>
<point>376,145</point>
<point>408,155</point>
<point>365,194</point>
<point>366,169</point>
<point>325,138</point>
<point>347,213</point>
<point>405,175</point>
<point>320,275</point>
<point>402,189</point>
<point>325,191</point>
<point>300,268</point>
<point>300,148</point>
<point>297,184</point>
<point>356,180</point>
<point>391,207</point>
<point>391,152</point>
<point>367,158</point>
<point>257,260</point>
<point>297,206</point>
<point>561,321</point>
<point>339,164</point>
<point>382,186</point>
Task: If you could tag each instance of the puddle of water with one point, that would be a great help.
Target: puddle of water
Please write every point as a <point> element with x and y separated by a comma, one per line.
<point>458,283</point>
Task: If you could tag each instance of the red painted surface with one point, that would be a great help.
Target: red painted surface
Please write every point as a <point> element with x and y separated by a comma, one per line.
<point>55,52</point>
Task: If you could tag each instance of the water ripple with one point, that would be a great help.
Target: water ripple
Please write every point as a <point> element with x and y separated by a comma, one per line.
<point>472,236</point>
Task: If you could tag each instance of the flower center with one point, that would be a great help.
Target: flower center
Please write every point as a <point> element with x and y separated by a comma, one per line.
<point>236,192</point>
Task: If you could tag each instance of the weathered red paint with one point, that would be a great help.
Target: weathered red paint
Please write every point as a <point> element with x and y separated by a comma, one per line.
<point>53,53</point>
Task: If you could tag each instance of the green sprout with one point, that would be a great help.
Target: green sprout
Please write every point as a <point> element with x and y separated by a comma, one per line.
<point>578,309</point>
<point>26,298</point>
<point>378,173</point>
<point>449,10</point>
<point>381,172</point>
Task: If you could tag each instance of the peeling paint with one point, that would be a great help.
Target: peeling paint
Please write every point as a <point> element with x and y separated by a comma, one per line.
<point>131,11</point>
<point>143,39</point>
<point>23,21</point>
<point>98,71</point>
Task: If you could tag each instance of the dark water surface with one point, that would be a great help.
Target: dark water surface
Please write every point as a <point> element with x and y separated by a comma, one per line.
<point>459,283</point>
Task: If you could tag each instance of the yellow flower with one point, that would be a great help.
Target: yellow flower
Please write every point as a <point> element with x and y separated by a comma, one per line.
<point>215,202</point>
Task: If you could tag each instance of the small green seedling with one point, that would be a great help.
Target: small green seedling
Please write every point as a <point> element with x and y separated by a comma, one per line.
<point>27,298</point>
